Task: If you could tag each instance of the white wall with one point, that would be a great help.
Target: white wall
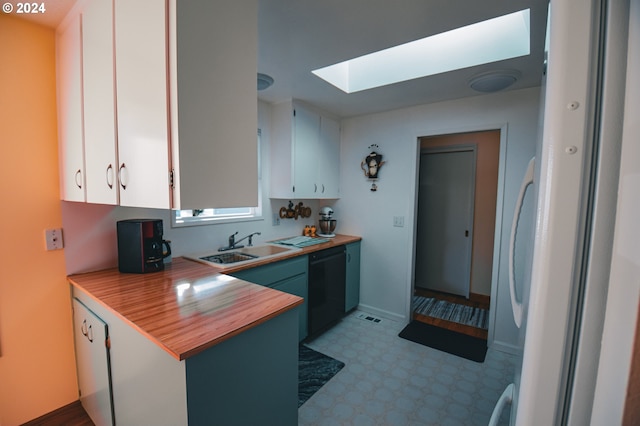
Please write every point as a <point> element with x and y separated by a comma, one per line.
<point>386,272</point>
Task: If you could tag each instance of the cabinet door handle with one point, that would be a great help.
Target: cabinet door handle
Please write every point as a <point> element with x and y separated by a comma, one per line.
<point>315,187</point>
<point>110,176</point>
<point>78,181</point>
<point>323,188</point>
<point>90,333</point>
<point>121,176</point>
<point>83,328</point>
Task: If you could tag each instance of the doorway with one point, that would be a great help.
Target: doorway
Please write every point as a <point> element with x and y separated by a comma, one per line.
<point>446,194</point>
<point>478,269</point>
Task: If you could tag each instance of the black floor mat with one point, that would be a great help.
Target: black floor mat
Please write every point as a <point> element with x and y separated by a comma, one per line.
<point>472,348</point>
<point>314,370</point>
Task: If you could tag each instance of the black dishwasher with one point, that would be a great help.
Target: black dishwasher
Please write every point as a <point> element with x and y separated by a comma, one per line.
<point>327,270</point>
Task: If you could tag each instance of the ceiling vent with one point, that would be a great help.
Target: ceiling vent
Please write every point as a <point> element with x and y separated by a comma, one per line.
<point>494,81</point>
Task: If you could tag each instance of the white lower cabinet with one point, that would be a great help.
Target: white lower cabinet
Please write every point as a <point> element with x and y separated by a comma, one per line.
<point>92,361</point>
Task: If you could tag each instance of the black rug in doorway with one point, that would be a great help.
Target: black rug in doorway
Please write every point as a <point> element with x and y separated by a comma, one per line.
<point>314,370</point>
<point>458,344</point>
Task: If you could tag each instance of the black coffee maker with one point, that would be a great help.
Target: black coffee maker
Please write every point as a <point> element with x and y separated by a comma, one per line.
<point>141,248</point>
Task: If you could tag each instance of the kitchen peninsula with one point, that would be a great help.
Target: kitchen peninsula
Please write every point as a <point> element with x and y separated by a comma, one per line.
<point>191,344</point>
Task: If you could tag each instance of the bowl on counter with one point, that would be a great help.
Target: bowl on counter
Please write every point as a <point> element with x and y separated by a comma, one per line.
<point>327,226</point>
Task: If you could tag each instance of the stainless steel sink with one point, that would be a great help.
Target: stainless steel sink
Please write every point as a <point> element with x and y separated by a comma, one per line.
<point>228,257</point>
<point>241,256</point>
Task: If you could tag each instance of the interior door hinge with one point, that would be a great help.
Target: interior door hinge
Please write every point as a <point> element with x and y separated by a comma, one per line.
<point>171,179</point>
<point>466,233</point>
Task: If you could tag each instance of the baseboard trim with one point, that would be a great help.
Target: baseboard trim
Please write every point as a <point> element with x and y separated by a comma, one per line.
<point>505,347</point>
<point>72,413</point>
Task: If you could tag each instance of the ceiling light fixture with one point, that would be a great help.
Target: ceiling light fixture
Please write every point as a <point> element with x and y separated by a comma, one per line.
<point>494,81</point>
<point>264,81</point>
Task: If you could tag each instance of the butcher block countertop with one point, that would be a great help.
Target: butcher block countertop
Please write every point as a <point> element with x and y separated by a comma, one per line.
<point>190,307</point>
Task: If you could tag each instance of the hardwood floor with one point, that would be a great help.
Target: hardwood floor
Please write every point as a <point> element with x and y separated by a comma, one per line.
<point>475,300</point>
<point>69,415</point>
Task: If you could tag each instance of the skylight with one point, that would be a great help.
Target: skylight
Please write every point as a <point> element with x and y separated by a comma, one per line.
<point>488,41</point>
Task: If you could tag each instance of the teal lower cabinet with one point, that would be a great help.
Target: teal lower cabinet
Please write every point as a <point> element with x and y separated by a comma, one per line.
<point>352,295</point>
<point>229,384</point>
<point>289,276</point>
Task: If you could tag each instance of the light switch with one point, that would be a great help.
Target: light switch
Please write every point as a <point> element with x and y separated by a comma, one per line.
<point>53,239</point>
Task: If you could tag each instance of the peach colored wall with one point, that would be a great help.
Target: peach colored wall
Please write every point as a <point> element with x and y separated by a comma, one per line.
<point>484,220</point>
<point>37,365</point>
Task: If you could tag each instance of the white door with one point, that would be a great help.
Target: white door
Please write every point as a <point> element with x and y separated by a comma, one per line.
<point>445,219</point>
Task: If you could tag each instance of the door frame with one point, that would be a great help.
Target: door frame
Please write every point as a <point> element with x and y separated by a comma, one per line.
<point>495,267</point>
<point>449,149</point>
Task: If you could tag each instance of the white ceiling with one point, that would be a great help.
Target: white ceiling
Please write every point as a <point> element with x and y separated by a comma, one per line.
<point>297,36</point>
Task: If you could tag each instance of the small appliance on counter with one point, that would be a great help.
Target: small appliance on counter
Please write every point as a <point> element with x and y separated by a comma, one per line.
<point>326,224</point>
<point>140,246</point>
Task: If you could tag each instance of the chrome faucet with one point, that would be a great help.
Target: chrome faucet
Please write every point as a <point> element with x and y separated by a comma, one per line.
<point>233,244</point>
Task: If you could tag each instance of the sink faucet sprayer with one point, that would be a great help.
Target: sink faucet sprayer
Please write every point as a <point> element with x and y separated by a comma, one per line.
<point>233,244</point>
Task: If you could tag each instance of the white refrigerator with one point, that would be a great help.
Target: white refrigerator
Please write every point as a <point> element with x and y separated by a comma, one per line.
<point>577,310</point>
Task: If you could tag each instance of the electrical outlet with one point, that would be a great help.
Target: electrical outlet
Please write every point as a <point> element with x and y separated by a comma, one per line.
<point>53,239</point>
<point>398,221</point>
<point>276,219</point>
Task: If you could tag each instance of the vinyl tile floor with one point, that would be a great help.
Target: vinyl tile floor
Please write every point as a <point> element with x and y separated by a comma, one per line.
<point>391,381</point>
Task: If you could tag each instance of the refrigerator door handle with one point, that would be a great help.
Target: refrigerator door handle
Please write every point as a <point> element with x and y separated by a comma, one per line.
<point>505,398</point>
<point>516,306</point>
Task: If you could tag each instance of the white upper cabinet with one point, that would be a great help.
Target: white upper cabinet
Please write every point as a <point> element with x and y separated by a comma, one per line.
<point>141,82</point>
<point>306,134</point>
<point>69,82</point>
<point>214,102</point>
<point>329,158</point>
<point>172,122</point>
<point>305,153</point>
<point>98,82</point>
